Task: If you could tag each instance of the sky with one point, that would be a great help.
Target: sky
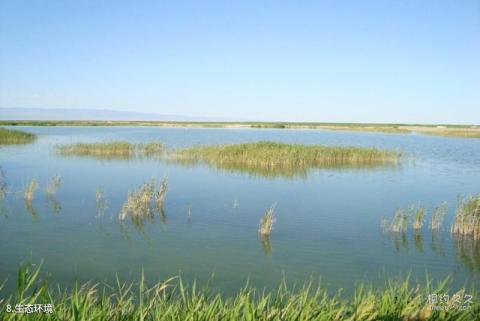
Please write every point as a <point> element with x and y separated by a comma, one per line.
<point>333,61</point>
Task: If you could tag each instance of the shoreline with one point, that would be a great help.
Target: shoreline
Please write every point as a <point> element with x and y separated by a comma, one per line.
<point>452,130</point>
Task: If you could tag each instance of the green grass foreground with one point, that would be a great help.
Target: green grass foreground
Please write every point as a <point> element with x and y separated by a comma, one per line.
<point>13,136</point>
<point>272,155</point>
<point>173,300</point>
<point>111,150</point>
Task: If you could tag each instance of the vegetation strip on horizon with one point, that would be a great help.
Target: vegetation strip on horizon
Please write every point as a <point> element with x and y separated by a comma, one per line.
<point>462,131</point>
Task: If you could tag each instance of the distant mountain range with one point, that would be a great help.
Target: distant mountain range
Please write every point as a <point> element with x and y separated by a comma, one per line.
<point>92,114</point>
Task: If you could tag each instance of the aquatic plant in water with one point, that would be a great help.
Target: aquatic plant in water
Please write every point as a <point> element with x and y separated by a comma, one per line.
<point>438,216</point>
<point>13,136</point>
<point>467,218</point>
<point>29,191</point>
<point>266,222</point>
<point>112,150</point>
<point>160,194</point>
<point>399,222</point>
<point>142,202</point>
<point>282,159</point>
<point>418,218</point>
<point>53,185</point>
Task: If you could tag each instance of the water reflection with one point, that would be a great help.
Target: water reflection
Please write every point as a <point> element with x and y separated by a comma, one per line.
<point>400,241</point>
<point>266,245</point>
<point>30,209</point>
<point>278,171</point>
<point>162,214</point>
<point>54,204</point>
<point>436,244</point>
<point>467,249</point>
<point>3,210</point>
<point>418,240</point>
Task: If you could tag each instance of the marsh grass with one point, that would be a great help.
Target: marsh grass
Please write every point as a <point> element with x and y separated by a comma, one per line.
<point>100,202</point>
<point>438,216</point>
<point>3,184</point>
<point>13,136</point>
<point>53,185</point>
<point>173,300</point>
<point>462,133</point>
<point>467,218</point>
<point>143,202</point>
<point>400,221</point>
<point>29,192</point>
<point>112,150</point>
<point>418,218</point>
<point>160,194</point>
<point>275,159</point>
<point>266,222</point>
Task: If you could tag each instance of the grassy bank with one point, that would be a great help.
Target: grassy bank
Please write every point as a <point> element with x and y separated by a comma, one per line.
<point>274,156</point>
<point>11,136</point>
<point>173,300</point>
<point>111,150</point>
<point>465,131</point>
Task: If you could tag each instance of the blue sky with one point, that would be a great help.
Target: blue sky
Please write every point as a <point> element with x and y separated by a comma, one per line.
<point>351,61</point>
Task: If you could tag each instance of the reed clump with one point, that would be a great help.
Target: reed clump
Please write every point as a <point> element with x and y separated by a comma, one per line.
<point>142,202</point>
<point>467,218</point>
<point>418,218</point>
<point>399,223</point>
<point>266,222</point>
<point>112,150</point>
<point>173,300</point>
<point>275,154</point>
<point>29,192</point>
<point>160,194</point>
<point>13,136</point>
<point>53,185</point>
<point>438,216</point>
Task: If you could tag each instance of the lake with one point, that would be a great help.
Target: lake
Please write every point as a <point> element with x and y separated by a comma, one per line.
<point>328,221</point>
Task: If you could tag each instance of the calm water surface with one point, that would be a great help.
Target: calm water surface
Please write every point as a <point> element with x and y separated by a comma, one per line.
<point>328,220</point>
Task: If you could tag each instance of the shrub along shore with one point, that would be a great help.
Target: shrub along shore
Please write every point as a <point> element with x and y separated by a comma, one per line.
<point>174,300</point>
